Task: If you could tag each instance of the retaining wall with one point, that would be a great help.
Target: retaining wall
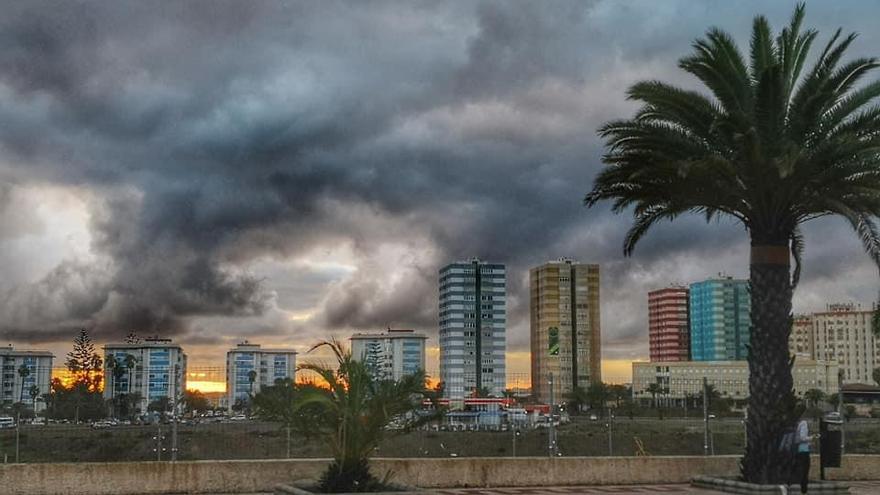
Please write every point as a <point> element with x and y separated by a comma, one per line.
<point>243,476</point>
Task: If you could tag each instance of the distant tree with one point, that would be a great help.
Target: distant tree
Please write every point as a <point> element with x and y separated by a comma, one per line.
<point>74,402</point>
<point>618,393</point>
<point>33,393</point>
<point>876,374</point>
<point>813,397</point>
<point>117,371</point>
<point>279,402</point>
<point>832,400</point>
<point>577,398</point>
<point>23,371</point>
<point>252,377</point>
<point>127,405</point>
<point>240,405</point>
<point>20,410</point>
<point>130,362</point>
<point>161,405</point>
<point>84,363</point>
<point>597,396</point>
<point>194,400</point>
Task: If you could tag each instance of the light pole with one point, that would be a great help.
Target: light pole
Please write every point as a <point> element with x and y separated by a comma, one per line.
<point>705,417</point>
<point>174,414</point>
<point>551,446</point>
<point>515,434</point>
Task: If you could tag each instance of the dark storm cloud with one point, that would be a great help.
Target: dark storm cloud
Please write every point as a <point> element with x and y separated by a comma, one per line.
<point>212,136</point>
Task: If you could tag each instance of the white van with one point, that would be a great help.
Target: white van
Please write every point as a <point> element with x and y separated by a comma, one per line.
<point>7,422</point>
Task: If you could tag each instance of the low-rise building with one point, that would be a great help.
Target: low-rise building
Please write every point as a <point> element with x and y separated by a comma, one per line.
<point>679,380</point>
<point>250,367</point>
<point>23,386</point>
<point>390,355</point>
<point>154,368</point>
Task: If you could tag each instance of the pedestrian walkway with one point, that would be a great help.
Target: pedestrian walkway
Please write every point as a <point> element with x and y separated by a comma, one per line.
<point>581,490</point>
<point>856,488</point>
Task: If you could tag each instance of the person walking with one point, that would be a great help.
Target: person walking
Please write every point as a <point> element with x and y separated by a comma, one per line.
<point>802,458</point>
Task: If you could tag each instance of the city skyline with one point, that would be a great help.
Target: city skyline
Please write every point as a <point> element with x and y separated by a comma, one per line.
<point>180,182</point>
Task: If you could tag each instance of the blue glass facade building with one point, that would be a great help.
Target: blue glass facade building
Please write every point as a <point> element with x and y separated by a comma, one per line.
<point>720,322</point>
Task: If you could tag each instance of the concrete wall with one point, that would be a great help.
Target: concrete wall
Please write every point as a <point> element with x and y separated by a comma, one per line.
<point>121,478</point>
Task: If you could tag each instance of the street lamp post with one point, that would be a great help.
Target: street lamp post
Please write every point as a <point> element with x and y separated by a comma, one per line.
<point>551,446</point>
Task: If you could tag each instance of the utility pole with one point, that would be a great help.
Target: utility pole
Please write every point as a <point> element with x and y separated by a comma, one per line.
<point>705,417</point>
<point>288,441</point>
<point>174,401</point>
<point>17,433</point>
<point>610,428</point>
<point>158,438</point>
<point>551,447</point>
<point>515,432</point>
<point>840,373</point>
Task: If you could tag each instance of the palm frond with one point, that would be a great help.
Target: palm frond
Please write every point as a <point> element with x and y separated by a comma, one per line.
<point>763,51</point>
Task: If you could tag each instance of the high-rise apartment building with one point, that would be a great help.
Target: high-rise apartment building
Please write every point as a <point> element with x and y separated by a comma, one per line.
<point>472,328</point>
<point>250,367</point>
<point>155,369</point>
<point>390,355</point>
<point>843,333</point>
<point>719,319</point>
<point>668,329</point>
<point>25,387</point>
<point>800,341</point>
<point>564,328</point>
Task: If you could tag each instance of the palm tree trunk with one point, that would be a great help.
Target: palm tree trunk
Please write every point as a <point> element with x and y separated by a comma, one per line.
<point>771,401</point>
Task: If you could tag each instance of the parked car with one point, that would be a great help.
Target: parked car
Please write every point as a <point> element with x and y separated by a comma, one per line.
<point>238,417</point>
<point>593,417</point>
<point>38,421</point>
<point>102,424</point>
<point>7,422</point>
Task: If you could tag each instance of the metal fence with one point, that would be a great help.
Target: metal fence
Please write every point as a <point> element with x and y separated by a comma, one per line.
<point>247,439</point>
<point>657,425</point>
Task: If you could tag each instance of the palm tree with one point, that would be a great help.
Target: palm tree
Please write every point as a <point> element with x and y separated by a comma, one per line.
<point>24,371</point>
<point>618,392</point>
<point>597,396</point>
<point>115,371</point>
<point>577,398</point>
<point>814,396</point>
<point>34,392</point>
<point>357,409</point>
<point>252,377</point>
<point>772,147</point>
<point>130,362</point>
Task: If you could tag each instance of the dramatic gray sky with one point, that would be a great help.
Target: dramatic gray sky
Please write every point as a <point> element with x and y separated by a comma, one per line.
<point>283,171</point>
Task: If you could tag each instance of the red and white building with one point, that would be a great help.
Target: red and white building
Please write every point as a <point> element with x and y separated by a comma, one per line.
<point>668,329</point>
